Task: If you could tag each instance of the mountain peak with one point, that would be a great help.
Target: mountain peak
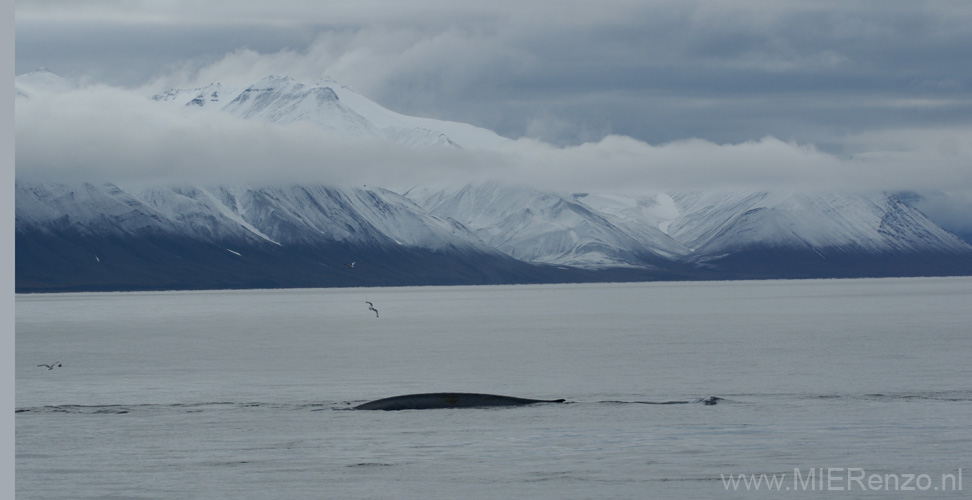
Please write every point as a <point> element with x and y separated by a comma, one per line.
<point>335,107</point>
<point>41,81</point>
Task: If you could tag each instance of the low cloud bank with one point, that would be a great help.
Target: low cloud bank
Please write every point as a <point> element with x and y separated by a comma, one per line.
<point>105,133</point>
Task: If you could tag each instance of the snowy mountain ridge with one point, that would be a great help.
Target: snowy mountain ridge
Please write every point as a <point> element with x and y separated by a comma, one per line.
<point>280,216</point>
<point>334,107</point>
<point>662,232</point>
<point>596,230</point>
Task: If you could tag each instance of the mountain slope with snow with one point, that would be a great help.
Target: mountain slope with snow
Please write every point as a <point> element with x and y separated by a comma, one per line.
<point>280,215</point>
<point>602,230</point>
<point>548,227</point>
<point>106,236</point>
<point>855,222</point>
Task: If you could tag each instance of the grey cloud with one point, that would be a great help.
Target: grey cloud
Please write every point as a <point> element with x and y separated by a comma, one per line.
<point>131,54</point>
<point>950,209</point>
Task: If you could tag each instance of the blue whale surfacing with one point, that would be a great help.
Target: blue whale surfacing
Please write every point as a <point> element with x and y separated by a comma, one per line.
<point>448,400</point>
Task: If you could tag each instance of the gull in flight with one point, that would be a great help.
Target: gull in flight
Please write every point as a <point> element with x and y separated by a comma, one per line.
<point>351,265</point>
<point>371,307</point>
<point>52,365</point>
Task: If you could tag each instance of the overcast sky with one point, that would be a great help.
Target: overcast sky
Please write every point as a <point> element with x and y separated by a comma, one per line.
<point>851,90</point>
<point>562,71</point>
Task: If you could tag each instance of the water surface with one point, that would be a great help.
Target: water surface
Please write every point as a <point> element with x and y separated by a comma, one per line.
<point>245,394</point>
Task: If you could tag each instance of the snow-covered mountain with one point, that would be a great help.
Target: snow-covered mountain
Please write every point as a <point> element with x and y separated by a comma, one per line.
<point>280,216</point>
<point>850,222</point>
<point>841,229</point>
<point>39,83</point>
<point>549,227</point>
<point>95,236</point>
<point>334,107</point>
<point>107,236</point>
<point>114,236</point>
<point>604,230</point>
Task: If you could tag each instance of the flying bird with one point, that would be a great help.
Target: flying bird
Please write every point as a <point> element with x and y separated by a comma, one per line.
<point>351,265</point>
<point>371,307</point>
<point>52,365</point>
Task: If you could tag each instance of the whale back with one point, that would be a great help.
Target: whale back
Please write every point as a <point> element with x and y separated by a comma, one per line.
<point>448,400</point>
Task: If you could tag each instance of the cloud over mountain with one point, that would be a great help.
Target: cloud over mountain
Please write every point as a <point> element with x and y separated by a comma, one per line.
<point>104,132</point>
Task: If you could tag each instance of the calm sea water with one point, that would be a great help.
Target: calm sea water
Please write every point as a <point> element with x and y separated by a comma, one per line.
<point>849,388</point>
